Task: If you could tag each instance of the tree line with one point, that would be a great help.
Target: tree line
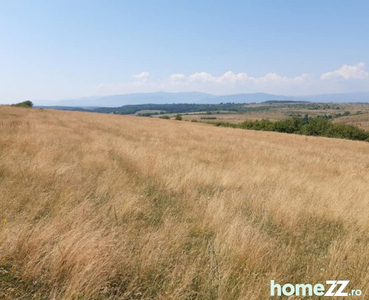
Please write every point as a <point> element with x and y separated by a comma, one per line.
<point>317,126</point>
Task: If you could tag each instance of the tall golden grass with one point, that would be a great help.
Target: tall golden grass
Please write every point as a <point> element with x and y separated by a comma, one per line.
<point>99,206</point>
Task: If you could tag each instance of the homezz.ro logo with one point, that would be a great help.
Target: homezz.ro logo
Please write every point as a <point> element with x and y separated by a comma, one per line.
<point>335,288</point>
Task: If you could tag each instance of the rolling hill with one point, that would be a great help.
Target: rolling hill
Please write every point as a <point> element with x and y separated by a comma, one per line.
<point>96,206</point>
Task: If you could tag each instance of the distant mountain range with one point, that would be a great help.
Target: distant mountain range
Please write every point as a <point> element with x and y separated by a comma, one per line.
<point>198,98</point>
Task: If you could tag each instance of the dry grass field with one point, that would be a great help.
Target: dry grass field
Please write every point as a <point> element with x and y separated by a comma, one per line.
<point>96,206</point>
<point>233,117</point>
<point>278,112</point>
<point>361,121</point>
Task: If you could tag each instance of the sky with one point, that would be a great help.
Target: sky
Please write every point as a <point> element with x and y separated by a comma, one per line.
<point>69,49</point>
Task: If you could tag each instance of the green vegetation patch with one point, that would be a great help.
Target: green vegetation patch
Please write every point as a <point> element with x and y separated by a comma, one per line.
<point>27,104</point>
<point>318,126</point>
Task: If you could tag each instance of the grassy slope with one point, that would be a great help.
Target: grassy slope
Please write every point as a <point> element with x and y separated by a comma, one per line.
<point>361,121</point>
<point>102,206</point>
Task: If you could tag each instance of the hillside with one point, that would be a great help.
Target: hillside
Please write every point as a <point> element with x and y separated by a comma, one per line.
<point>359,120</point>
<point>97,206</point>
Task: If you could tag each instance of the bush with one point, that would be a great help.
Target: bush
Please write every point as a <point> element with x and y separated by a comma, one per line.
<point>292,125</point>
<point>208,118</point>
<point>318,126</point>
<point>347,132</point>
<point>165,117</point>
<point>257,125</point>
<point>178,117</point>
<point>27,103</point>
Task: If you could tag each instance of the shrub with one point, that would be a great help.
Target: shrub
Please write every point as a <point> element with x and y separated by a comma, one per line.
<point>208,118</point>
<point>178,117</point>
<point>318,126</point>
<point>27,103</point>
<point>347,132</point>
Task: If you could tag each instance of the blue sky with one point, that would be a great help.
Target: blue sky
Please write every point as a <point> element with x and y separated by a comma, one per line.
<point>66,49</point>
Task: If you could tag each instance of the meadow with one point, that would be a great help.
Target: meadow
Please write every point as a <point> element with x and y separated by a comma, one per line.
<point>98,206</point>
<point>356,114</point>
<point>361,120</point>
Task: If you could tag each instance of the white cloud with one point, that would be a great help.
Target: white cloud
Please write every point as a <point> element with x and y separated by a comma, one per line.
<point>176,77</point>
<point>347,72</point>
<point>228,77</point>
<point>229,82</point>
<point>201,77</point>
<point>232,83</point>
<point>142,75</point>
<point>231,78</point>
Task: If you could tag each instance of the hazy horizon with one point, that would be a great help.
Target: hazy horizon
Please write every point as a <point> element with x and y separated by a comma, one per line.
<point>161,97</point>
<point>196,92</point>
